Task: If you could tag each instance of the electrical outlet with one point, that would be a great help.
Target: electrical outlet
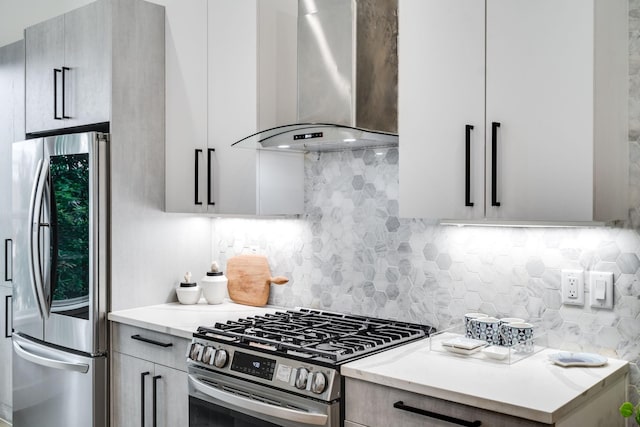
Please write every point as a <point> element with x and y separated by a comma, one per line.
<point>572,287</point>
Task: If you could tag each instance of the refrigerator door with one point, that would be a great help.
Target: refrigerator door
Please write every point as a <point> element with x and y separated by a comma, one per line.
<point>27,179</point>
<point>60,190</point>
<point>76,289</point>
<point>57,388</point>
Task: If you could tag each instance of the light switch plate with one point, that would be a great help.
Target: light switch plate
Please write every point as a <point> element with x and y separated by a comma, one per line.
<point>600,281</point>
<point>572,287</point>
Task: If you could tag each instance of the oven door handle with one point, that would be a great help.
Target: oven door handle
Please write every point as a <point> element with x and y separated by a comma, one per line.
<point>259,407</point>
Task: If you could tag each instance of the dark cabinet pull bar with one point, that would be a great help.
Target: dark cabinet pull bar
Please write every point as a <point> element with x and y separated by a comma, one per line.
<point>7,316</point>
<point>142,376</point>
<point>400,405</point>
<point>494,164</point>
<point>64,115</point>
<point>155,398</point>
<point>209,191</point>
<point>55,94</point>
<point>196,198</point>
<point>150,341</point>
<point>467,166</point>
<point>8,264</point>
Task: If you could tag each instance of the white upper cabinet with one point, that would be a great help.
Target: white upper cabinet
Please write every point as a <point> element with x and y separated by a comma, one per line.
<point>186,105</point>
<point>217,93</point>
<point>512,110</point>
<point>68,74</point>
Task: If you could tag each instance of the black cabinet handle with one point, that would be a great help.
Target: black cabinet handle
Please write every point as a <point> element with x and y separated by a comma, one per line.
<point>400,405</point>
<point>155,397</point>
<point>64,116</point>
<point>55,94</point>
<point>7,316</point>
<point>494,164</point>
<point>150,341</point>
<point>8,264</point>
<point>195,174</point>
<point>209,197</point>
<point>142,376</point>
<point>467,166</point>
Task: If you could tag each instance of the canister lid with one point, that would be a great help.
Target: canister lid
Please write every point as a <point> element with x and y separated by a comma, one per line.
<point>188,285</point>
<point>214,273</point>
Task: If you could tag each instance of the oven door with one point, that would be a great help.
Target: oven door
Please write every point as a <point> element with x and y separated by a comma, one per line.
<point>221,401</point>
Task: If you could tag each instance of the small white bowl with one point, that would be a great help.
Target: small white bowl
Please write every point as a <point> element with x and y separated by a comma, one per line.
<point>189,295</point>
<point>496,352</point>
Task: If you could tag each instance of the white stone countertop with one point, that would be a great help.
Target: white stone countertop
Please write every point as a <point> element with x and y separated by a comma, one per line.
<point>533,388</point>
<point>183,320</point>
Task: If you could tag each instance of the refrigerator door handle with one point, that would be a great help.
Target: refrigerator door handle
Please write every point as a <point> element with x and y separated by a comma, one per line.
<point>83,368</point>
<point>35,225</point>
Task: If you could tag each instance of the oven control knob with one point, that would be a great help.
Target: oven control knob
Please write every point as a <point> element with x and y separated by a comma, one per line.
<point>196,351</point>
<point>318,383</point>
<point>220,359</point>
<point>207,355</point>
<point>301,378</point>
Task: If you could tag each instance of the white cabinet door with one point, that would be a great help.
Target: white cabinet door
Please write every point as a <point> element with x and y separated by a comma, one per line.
<point>233,103</point>
<point>543,82</point>
<point>441,95</point>
<point>540,84</point>
<point>87,50</point>
<point>186,106</point>
<point>214,60</point>
<point>44,45</point>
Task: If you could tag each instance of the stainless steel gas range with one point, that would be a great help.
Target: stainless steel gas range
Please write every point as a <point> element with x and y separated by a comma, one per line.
<point>282,369</point>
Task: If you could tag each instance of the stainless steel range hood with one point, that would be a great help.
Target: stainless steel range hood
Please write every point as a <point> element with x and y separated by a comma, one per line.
<point>347,79</point>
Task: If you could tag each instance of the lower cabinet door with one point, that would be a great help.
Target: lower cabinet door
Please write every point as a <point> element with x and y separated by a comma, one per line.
<point>5,354</point>
<point>129,402</point>
<point>172,401</point>
<point>147,394</point>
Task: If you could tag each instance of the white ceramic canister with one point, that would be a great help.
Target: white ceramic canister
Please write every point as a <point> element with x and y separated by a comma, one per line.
<point>188,292</point>
<point>214,285</point>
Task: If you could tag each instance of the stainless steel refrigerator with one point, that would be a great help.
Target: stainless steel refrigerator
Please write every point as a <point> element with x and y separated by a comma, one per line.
<point>60,227</point>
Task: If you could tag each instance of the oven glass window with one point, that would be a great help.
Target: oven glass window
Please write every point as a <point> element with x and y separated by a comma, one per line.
<point>205,414</point>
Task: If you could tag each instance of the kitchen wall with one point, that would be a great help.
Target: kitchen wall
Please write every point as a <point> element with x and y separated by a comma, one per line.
<point>17,15</point>
<point>351,252</point>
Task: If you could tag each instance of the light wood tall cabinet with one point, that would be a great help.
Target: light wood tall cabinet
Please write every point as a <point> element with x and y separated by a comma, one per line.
<point>11,129</point>
<point>219,90</point>
<point>513,110</point>
<point>149,378</point>
<point>68,69</point>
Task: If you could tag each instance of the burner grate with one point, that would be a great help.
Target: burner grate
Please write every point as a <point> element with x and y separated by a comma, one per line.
<point>317,334</point>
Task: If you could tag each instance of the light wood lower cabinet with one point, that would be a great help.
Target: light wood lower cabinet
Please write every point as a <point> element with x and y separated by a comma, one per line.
<point>148,379</point>
<point>372,405</point>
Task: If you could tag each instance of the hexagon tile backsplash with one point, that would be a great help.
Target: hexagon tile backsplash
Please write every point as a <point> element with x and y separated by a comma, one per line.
<point>352,253</point>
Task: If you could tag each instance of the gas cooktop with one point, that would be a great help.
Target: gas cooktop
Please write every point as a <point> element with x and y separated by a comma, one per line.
<point>315,335</point>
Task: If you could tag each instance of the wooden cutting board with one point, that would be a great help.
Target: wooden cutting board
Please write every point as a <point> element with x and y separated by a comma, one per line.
<point>250,279</point>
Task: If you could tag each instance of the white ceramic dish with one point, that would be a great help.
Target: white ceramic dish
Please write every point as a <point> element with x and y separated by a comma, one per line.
<point>463,345</point>
<point>495,352</point>
<point>577,359</point>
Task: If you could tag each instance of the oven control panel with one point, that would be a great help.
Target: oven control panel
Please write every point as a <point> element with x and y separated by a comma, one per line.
<point>254,365</point>
<point>288,374</point>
